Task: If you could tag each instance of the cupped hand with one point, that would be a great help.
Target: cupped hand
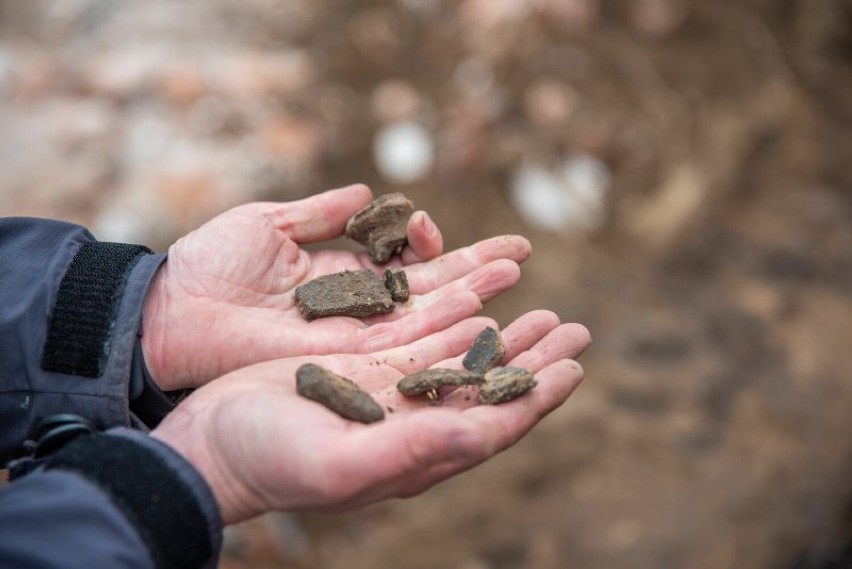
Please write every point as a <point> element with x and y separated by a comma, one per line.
<point>224,297</point>
<point>262,447</point>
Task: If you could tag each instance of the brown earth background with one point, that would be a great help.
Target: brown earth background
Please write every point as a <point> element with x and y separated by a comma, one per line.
<point>713,428</point>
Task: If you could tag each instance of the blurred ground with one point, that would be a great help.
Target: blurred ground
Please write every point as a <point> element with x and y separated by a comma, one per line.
<point>682,168</point>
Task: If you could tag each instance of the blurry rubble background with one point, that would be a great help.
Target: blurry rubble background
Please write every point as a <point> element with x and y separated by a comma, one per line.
<point>683,169</point>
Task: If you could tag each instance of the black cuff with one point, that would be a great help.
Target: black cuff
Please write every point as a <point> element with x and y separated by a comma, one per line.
<point>81,322</point>
<point>147,401</point>
<point>156,500</point>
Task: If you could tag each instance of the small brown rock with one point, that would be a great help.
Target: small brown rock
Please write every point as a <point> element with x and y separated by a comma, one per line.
<point>381,226</point>
<point>349,293</point>
<point>341,395</point>
<point>504,384</point>
<point>431,379</point>
<point>485,352</point>
<point>397,283</point>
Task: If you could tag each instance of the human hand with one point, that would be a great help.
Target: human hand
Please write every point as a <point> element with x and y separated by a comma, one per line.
<point>224,298</point>
<point>262,447</point>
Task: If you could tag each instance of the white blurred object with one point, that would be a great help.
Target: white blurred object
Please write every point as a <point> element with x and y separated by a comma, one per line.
<point>568,198</point>
<point>133,217</point>
<point>121,225</point>
<point>403,152</point>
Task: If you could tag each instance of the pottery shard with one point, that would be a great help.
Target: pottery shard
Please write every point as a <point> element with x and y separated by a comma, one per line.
<point>486,352</point>
<point>504,384</point>
<point>350,293</point>
<point>427,380</point>
<point>381,226</point>
<point>339,394</point>
<point>397,283</point>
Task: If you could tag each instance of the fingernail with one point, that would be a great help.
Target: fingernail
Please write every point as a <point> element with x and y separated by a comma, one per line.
<point>428,225</point>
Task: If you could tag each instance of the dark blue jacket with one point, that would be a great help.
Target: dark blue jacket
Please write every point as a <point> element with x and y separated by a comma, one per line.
<point>70,315</point>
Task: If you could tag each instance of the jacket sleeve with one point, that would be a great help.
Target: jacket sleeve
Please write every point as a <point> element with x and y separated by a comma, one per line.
<point>70,310</point>
<point>120,499</point>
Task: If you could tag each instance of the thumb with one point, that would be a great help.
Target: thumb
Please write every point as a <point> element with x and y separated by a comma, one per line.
<point>319,217</point>
<point>405,447</point>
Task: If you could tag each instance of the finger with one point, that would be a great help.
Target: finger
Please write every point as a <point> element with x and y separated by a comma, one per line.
<point>369,464</point>
<point>485,282</point>
<point>563,342</point>
<point>526,331</point>
<point>425,352</point>
<point>417,324</point>
<point>509,421</point>
<point>427,276</point>
<point>566,341</point>
<point>518,336</point>
<point>318,217</point>
<point>425,241</point>
<point>498,426</point>
<point>351,335</point>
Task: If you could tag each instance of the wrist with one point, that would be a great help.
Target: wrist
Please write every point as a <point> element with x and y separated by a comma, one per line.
<point>188,432</point>
<point>153,329</point>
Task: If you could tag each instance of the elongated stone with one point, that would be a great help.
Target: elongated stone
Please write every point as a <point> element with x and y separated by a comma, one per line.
<point>349,293</point>
<point>382,226</point>
<point>504,384</point>
<point>431,379</point>
<point>397,283</point>
<point>486,352</point>
<point>341,395</point>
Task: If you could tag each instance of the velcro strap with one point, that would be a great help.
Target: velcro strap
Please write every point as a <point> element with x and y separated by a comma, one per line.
<point>78,338</point>
<point>158,503</point>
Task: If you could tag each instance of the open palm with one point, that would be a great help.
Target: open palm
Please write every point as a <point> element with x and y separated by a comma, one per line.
<point>224,298</point>
<point>262,447</point>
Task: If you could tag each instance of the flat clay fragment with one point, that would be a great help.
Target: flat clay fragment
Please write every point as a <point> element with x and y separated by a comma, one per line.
<point>397,283</point>
<point>485,352</point>
<point>504,384</point>
<point>350,293</point>
<point>381,225</point>
<point>341,395</point>
<point>431,379</point>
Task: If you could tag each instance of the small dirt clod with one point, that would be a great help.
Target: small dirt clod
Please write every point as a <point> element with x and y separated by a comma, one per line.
<point>397,283</point>
<point>381,226</point>
<point>486,352</point>
<point>349,293</point>
<point>341,395</point>
<point>504,384</point>
<point>431,379</point>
